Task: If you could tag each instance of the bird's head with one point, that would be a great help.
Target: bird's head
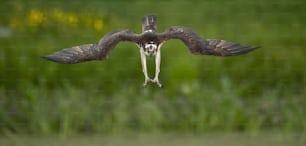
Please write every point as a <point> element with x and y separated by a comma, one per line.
<point>149,23</point>
<point>150,48</point>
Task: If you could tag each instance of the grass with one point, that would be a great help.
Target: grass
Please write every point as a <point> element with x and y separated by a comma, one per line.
<point>168,139</point>
<point>262,90</point>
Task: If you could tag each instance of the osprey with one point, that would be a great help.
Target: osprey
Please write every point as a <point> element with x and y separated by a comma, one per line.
<point>149,42</point>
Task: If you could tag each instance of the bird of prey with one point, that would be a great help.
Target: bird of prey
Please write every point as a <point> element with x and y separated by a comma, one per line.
<point>149,42</point>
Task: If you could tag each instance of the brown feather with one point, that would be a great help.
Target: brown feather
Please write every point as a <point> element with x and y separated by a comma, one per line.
<point>197,45</point>
<point>89,52</point>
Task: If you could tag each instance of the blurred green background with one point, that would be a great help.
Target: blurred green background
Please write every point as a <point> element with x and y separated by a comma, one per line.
<point>260,91</point>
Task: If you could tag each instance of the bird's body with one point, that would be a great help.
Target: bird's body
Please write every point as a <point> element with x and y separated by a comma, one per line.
<point>149,42</point>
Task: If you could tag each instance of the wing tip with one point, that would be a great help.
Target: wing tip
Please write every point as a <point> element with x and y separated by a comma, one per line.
<point>55,59</point>
<point>253,48</point>
<point>47,57</point>
<point>242,50</point>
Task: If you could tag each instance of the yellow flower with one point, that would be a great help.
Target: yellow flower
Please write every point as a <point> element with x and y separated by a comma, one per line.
<point>35,18</point>
<point>72,18</point>
<point>98,25</point>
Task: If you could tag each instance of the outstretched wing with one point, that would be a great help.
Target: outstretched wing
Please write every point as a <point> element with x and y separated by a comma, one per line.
<point>89,52</point>
<point>197,45</point>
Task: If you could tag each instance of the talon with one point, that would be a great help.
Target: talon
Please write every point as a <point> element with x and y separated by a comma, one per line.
<point>146,82</point>
<point>157,82</point>
<point>159,85</point>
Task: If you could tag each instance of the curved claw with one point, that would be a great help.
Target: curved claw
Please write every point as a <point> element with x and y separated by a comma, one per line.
<point>153,81</point>
<point>146,82</point>
<point>157,82</point>
<point>159,85</point>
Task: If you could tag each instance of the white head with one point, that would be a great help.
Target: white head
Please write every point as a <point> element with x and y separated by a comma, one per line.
<point>150,48</point>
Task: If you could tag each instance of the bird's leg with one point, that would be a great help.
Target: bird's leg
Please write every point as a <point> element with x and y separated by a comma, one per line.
<point>144,67</point>
<point>157,68</point>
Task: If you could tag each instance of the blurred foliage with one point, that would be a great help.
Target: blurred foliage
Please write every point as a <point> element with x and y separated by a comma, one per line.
<point>262,90</point>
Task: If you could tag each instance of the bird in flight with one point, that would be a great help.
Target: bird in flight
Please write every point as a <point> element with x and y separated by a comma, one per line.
<point>149,42</point>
